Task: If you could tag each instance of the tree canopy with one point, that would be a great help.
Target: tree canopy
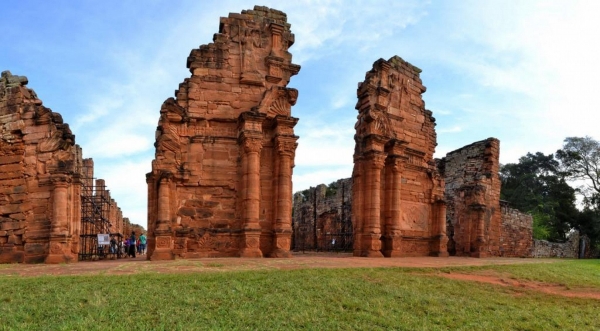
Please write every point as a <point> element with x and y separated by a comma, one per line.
<point>540,185</point>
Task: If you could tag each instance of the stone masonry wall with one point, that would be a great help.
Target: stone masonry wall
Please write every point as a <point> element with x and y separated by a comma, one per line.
<point>473,199</point>
<point>331,207</point>
<point>221,183</point>
<point>41,179</point>
<point>398,195</point>
<point>568,249</point>
<point>516,239</point>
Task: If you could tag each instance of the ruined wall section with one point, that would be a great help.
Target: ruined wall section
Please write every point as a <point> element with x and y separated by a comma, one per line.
<point>398,207</point>
<point>568,249</point>
<point>322,217</point>
<point>516,238</point>
<point>221,178</point>
<point>472,194</point>
<point>42,180</point>
<point>39,183</point>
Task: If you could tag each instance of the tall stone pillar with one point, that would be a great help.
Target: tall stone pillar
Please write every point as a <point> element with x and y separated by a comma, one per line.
<point>392,235</point>
<point>440,240</point>
<point>283,221</point>
<point>251,240</point>
<point>480,243</point>
<point>162,232</point>
<point>372,229</point>
<point>357,205</point>
<point>59,250</point>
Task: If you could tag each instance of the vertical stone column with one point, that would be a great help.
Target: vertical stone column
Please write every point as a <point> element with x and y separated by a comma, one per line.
<point>372,229</point>
<point>59,207</point>
<point>440,240</point>
<point>392,231</point>
<point>357,205</point>
<point>283,221</point>
<point>480,243</point>
<point>59,246</point>
<point>251,153</point>
<point>163,240</point>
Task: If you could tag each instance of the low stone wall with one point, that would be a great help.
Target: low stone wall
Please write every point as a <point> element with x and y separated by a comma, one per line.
<point>516,235</point>
<point>568,249</point>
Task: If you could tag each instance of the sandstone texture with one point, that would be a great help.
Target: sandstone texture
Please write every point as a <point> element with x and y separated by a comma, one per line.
<point>45,184</point>
<point>479,225</point>
<point>220,183</point>
<point>473,196</point>
<point>398,195</point>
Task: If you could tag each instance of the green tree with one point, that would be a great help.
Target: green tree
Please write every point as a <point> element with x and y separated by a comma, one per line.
<point>537,186</point>
<point>580,162</point>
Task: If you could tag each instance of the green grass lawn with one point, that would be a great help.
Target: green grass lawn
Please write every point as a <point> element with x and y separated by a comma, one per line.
<point>312,299</point>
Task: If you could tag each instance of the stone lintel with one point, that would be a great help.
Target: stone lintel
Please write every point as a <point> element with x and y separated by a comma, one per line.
<point>374,142</point>
<point>251,121</point>
<point>286,121</point>
<point>276,28</point>
<point>395,147</point>
<point>477,207</point>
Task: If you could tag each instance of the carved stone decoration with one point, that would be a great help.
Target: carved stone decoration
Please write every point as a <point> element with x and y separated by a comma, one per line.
<point>219,137</point>
<point>393,166</point>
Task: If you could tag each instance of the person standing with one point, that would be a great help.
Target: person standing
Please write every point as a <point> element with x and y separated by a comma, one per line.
<point>143,243</point>
<point>132,241</point>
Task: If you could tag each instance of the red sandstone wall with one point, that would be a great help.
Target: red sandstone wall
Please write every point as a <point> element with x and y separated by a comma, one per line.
<point>473,199</point>
<point>43,179</point>
<point>39,211</point>
<point>221,179</point>
<point>398,207</point>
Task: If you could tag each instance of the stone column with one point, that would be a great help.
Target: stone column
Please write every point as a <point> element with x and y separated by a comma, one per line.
<point>251,245</point>
<point>357,206</point>
<point>163,238</point>
<point>59,245</point>
<point>440,241</point>
<point>480,244</point>
<point>372,228</point>
<point>163,203</point>
<point>283,222</point>
<point>392,230</point>
<point>59,208</point>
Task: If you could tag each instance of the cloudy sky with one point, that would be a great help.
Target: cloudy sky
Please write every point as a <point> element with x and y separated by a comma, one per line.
<point>524,72</point>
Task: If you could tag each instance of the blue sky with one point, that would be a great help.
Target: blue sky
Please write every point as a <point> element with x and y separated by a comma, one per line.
<point>525,72</point>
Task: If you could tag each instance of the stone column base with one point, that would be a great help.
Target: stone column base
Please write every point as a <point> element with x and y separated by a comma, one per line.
<point>392,244</point>
<point>251,244</point>
<point>480,251</point>
<point>60,251</point>
<point>163,249</point>
<point>281,244</point>
<point>371,245</point>
<point>439,246</point>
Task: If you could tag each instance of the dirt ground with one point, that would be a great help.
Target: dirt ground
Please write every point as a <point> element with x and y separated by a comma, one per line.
<point>299,261</point>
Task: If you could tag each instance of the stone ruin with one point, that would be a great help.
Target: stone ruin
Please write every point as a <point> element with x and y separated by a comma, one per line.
<point>48,201</point>
<point>402,199</point>
<point>477,224</point>
<point>398,195</point>
<point>221,180</point>
<point>322,217</point>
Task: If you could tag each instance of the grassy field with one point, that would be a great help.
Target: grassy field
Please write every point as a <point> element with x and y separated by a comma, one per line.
<point>312,299</point>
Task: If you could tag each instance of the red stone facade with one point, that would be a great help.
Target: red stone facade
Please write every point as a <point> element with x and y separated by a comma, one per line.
<point>398,196</point>
<point>221,180</point>
<point>42,180</point>
<point>473,197</point>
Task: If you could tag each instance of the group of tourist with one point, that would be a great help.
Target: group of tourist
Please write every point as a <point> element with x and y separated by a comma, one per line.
<point>129,247</point>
